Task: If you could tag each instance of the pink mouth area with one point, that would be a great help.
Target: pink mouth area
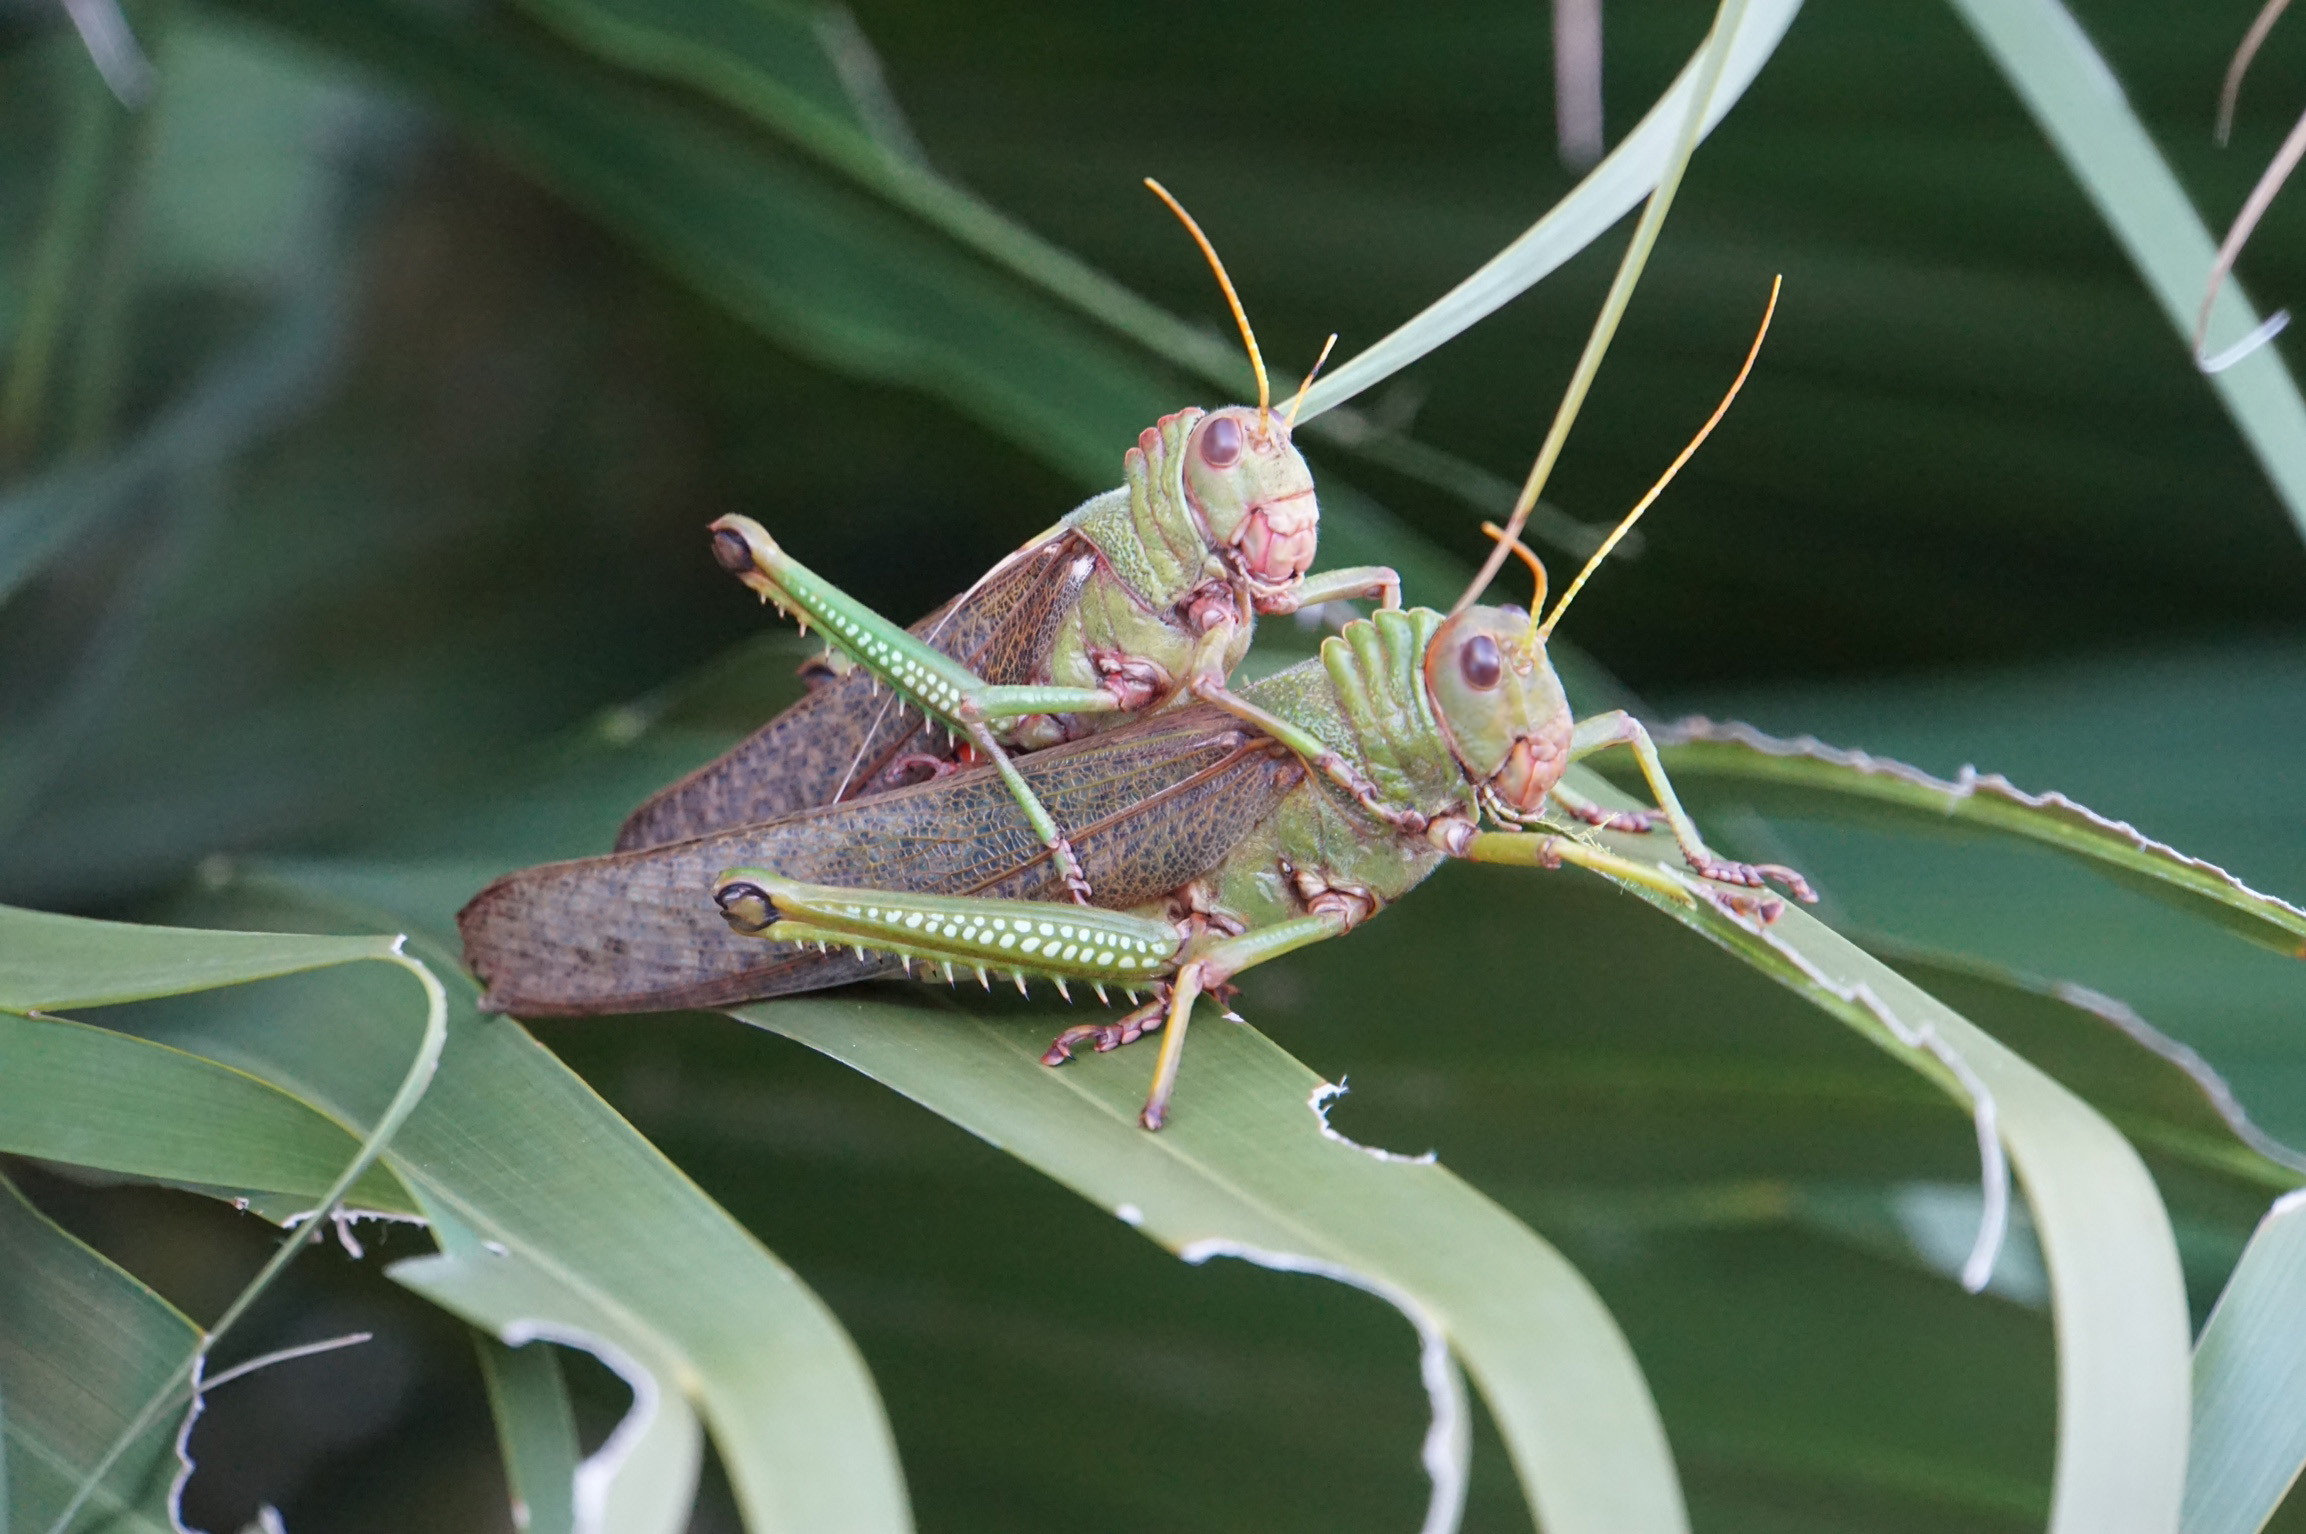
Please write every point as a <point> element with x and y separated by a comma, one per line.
<point>1529,774</point>
<point>1278,554</point>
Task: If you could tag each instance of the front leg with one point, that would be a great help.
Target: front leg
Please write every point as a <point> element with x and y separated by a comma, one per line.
<point>1600,816</point>
<point>1360,583</point>
<point>1461,838</point>
<point>1618,728</point>
<point>924,676</point>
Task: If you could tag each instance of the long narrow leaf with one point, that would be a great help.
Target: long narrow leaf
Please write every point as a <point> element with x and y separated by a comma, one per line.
<point>87,1096</point>
<point>69,961</point>
<point>2250,1383</point>
<point>83,1346</point>
<point>514,1148</point>
<point>1986,802</point>
<point>1249,1169</point>
<point>535,1430</point>
<point>2158,1091</point>
<point>2079,104</point>
<point>644,1478</point>
<point>2117,1292</point>
<point>49,962</point>
<point>770,62</point>
<point>1600,200</point>
<point>805,254</point>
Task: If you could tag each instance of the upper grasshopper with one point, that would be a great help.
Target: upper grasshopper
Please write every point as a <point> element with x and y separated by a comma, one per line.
<point>1143,597</point>
<point>1219,837</point>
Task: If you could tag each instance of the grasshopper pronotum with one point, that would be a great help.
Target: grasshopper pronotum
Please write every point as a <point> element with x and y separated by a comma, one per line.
<point>1143,597</point>
<point>1218,837</point>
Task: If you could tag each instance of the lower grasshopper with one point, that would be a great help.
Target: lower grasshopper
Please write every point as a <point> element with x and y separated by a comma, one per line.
<point>1216,843</point>
<point>1143,597</point>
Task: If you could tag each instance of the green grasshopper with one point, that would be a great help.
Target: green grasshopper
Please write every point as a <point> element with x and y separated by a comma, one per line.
<point>1218,836</point>
<point>1142,598</point>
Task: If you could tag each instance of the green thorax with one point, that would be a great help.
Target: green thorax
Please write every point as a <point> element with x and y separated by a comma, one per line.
<point>1365,698</point>
<point>1148,531</point>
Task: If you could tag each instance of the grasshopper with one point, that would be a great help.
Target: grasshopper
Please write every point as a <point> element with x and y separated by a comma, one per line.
<point>1219,836</point>
<point>1142,598</point>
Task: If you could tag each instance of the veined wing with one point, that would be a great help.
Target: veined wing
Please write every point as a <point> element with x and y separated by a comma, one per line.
<point>836,742</point>
<point>1148,808</point>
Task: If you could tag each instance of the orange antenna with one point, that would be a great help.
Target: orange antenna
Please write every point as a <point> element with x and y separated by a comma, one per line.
<point>1545,630</point>
<point>1536,566</point>
<point>1233,299</point>
<point>1297,404</point>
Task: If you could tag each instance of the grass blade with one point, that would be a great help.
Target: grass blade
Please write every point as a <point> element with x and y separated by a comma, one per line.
<point>1249,1170</point>
<point>2117,1292</point>
<point>1700,748</point>
<point>535,1430</point>
<point>2249,1383</point>
<point>2079,104</point>
<point>86,1096</point>
<point>83,1345</point>
<point>93,1097</point>
<point>2170,1102</point>
<point>1705,81</point>
<point>70,961</point>
<point>49,962</point>
<point>513,1148</point>
<point>778,65</point>
<point>773,64</point>
<point>643,1478</point>
<point>1628,175</point>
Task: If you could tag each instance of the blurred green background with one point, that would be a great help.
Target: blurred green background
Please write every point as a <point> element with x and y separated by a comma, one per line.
<point>388,448</point>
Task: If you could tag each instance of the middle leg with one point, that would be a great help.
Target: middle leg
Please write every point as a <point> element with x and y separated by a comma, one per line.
<point>1619,728</point>
<point>939,686</point>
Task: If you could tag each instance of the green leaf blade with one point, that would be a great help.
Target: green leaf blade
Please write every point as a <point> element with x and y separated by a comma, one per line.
<point>2249,1381</point>
<point>2074,95</point>
<point>536,1431</point>
<point>1609,191</point>
<point>83,1345</point>
<point>1245,1169</point>
<point>1697,749</point>
<point>620,1247</point>
<point>2117,1290</point>
<point>49,962</point>
<point>90,1097</point>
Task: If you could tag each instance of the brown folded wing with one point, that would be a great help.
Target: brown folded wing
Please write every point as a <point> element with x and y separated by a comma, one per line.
<point>1148,808</point>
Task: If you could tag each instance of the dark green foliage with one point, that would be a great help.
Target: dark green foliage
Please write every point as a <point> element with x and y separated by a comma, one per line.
<point>362,524</point>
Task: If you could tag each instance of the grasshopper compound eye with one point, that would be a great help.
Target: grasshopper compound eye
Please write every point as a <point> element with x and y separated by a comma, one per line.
<point>1221,442</point>
<point>1480,664</point>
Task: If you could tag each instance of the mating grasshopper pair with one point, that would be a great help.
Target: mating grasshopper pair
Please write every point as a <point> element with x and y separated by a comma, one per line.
<point>1214,835</point>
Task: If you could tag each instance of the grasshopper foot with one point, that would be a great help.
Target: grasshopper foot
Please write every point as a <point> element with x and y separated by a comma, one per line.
<point>1638,822</point>
<point>918,767</point>
<point>1107,1037</point>
<point>1069,866</point>
<point>1763,908</point>
<point>1754,876</point>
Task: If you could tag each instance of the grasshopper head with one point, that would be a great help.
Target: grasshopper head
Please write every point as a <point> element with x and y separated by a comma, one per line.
<point>1254,493</point>
<point>1500,704</point>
